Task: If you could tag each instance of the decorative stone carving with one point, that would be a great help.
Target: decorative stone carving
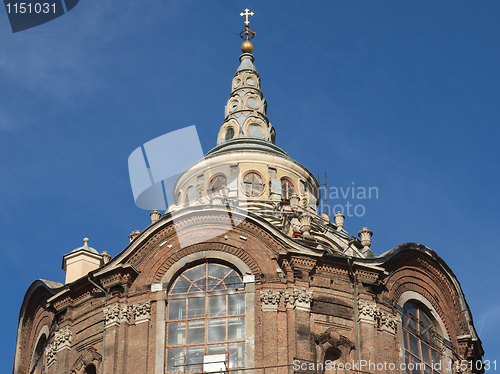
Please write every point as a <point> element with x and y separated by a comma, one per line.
<point>339,219</point>
<point>62,340</point>
<point>305,224</point>
<point>372,314</point>
<point>270,300</point>
<point>331,346</point>
<point>155,216</point>
<point>134,235</point>
<point>116,314</point>
<point>106,257</point>
<point>90,356</point>
<point>50,355</point>
<point>299,299</point>
<point>142,312</point>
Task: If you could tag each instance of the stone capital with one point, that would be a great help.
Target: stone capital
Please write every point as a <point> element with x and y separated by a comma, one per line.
<point>371,313</point>
<point>299,299</point>
<point>142,312</point>
<point>62,340</point>
<point>116,314</point>
<point>270,300</point>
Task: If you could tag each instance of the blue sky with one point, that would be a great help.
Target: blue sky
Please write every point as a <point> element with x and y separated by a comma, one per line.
<point>402,96</point>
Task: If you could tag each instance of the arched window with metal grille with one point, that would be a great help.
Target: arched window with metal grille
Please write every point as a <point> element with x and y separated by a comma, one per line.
<point>422,347</point>
<point>205,315</point>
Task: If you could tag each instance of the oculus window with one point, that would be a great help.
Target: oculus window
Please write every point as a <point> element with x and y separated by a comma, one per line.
<point>420,340</point>
<point>205,315</point>
<point>253,185</point>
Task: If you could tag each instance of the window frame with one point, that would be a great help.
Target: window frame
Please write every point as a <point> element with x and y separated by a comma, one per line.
<point>286,179</point>
<point>190,260</point>
<point>243,188</point>
<point>445,347</point>
<point>210,192</point>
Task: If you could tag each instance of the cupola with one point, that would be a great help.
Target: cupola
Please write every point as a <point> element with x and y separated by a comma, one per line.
<point>80,261</point>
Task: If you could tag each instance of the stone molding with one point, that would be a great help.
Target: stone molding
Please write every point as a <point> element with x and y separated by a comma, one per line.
<point>299,298</point>
<point>270,300</point>
<point>62,340</point>
<point>142,312</point>
<point>371,313</point>
<point>116,314</point>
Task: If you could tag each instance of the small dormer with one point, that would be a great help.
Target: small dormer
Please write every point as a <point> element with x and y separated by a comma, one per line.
<point>80,261</point>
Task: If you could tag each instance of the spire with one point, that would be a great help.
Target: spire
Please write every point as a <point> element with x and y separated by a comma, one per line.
<point>245,113</point>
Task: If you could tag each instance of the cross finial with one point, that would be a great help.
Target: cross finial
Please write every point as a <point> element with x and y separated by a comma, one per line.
<point>246,14</point>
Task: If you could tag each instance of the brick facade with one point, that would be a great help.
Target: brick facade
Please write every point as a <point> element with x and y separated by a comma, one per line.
<point>317,306</point>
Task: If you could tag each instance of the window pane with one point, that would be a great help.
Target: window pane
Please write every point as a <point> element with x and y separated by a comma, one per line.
<point>177,333</point>
<point>407,361</point>
<point>236,304</point>
<point>181,286</point>
<point>427,369</point>
<point>413,345</point>
<point>196,307</point>
<point>175,359</point>
<point>426,354</point>
<point>177,309</point>
<point>435,358</point>
<point>416,366</point>
<point>195,356</point>
<point>196,331</point>
<point>236,354</point>
<point>410,317</point>
<point>216,348</point>
<point>215,284</point>
<point>195,273</point>
<point>236,329</point>
<point>217,306</point>
<point>217,330</point>
<point>233,280</point>
<point>217,271</point>
<point>200,285</point>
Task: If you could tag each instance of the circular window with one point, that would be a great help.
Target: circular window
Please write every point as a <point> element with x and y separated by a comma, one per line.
<point>236,83</point>
<point>216,183</point>
<point>255,131</point>
<point>253,185</point>
<point>252,103</point>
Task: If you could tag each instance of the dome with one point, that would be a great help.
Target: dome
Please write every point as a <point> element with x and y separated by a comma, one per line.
<point>85,247</point>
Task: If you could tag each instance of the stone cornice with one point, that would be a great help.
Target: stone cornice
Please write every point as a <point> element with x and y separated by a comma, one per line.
<point>81,290</point>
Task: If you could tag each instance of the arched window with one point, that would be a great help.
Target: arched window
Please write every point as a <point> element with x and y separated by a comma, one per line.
<point>420,340</point>
<point>229,133</point>
<point>287,188</point>
<point>216,183</point>
<point>253,184</point>
<point>205,315</point>
<point>37,358</point>
<point>190,195</point>
<point>90,369</point>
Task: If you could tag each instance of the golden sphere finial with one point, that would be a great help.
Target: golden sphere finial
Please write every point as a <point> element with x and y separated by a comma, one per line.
<point>246,47</point>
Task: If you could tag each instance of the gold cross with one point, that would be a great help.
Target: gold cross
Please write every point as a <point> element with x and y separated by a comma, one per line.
<point>246,14</point>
